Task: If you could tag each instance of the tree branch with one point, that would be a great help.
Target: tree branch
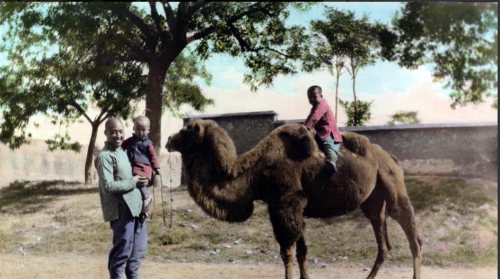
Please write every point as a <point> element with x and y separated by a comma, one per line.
<point>137,21</point>
<point>246,47</point>
<point>80,109</point>
<point>181,10</point>
<point>156,17</point>
<point>122,58</point>
<point>243,44</point>
<point>347,68</point>
<point>209,30</point>
<point>104,118</point>
<point>131,45</point>
<point>103,111</point>
<point>193,9</point>
<point>252,9</point>
<point>328,62</point>
<point>141,57</point>
<point>74,104</point>
<point>169,13</point>
<point>201,34</point>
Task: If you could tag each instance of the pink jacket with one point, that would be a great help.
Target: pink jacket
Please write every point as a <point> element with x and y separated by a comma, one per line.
<point>322,119</point>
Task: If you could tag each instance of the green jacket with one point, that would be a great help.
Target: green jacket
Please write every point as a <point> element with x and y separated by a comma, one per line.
<point>112,191</point>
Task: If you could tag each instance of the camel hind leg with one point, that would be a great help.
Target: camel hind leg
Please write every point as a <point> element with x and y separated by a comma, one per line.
<point>400,209</point>
<point>403,214</point>
<point>374,208</point>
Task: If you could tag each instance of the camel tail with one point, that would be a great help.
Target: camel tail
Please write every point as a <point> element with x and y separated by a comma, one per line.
<point>397,162</point>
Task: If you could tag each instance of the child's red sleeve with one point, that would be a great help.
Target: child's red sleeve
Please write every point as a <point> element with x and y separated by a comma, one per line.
<point>315,115</point>
<point>155,164</point>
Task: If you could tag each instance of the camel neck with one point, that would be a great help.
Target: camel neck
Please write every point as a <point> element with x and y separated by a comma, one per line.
<point>222,197</point>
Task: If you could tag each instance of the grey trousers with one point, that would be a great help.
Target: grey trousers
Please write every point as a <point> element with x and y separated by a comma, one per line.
<point>130,242</point>
<point>331,149</point>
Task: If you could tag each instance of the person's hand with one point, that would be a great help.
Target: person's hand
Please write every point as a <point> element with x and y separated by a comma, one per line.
<point>140,181</point>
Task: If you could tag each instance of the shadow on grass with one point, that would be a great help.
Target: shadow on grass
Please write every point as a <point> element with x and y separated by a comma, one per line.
<point>453,193</point>
<point>24,197</point>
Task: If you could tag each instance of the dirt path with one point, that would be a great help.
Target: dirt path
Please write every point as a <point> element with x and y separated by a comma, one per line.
<point>88,267</point>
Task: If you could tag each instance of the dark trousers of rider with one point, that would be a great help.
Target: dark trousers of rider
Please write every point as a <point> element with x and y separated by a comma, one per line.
<point>331,148</point>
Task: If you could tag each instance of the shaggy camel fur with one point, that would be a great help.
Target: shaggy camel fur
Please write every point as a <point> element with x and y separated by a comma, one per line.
<point>285,170</point>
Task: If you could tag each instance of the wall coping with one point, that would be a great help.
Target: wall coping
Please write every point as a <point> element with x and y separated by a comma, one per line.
<point>402,127</point>
<point>239,114</point>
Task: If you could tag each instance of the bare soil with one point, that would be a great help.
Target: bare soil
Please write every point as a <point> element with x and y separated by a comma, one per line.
<point>55,230</point>
<point>84,266</point>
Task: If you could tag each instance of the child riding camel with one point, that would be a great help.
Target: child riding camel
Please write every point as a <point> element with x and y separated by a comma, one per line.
<point>322,119</point>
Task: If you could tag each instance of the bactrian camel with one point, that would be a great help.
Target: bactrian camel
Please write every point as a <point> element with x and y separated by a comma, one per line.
<point>286,171</point>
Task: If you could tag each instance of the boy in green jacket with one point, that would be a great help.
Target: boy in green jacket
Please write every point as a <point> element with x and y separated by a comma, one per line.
<point>121,203</point>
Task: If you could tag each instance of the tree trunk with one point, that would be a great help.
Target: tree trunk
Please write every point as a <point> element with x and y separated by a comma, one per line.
<point>154,100</point>
<point>337,97</point>
<point>355,101</point>
<point>90,153</point>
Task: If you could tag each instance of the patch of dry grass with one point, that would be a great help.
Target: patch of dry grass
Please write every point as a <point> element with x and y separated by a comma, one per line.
<point>451,216</point>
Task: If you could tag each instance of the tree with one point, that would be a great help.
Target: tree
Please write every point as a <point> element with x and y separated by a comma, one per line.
<point>360,45</point>
<point>461,39</point>
<point>404,117</point>
<point>254,31</point>
<point>357,113</point>
<point>63,86</point>
<point>326,49</point>
<point>180,87</point>
<point>342,41</point>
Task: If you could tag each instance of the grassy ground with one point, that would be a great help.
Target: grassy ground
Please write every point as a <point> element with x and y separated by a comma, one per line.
<point>456,218</point>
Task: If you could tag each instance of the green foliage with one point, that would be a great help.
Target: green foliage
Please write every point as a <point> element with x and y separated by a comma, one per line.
<point>180,87</point>
<point>342,41</point>
<point>461,39</point>
<point>254,31</point>
<point>356,117</point>
<point>341,35</point>
<point>63,142</point>
<point>63,84</point>
<point>404,117</point>
<point>61,87</point>
<point>110,34</point>
<point>257,33</point>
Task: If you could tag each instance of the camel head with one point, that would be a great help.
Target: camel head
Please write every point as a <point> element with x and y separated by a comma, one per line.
<point>189,136</point>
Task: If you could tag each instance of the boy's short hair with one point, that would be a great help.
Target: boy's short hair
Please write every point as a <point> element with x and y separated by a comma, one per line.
<point>140,117</point>
<point>314,87</point>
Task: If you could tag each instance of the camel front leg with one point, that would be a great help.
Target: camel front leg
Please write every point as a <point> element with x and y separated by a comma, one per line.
<point>287,257</point>
<point>288,226</point>
<point>301,257</point>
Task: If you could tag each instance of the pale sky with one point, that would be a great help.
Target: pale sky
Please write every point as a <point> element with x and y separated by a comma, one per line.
<point>390,87</point>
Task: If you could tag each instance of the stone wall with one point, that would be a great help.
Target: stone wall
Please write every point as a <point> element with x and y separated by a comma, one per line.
<point>467,150</point>
<point>246,129</point>
<point>36,162</point>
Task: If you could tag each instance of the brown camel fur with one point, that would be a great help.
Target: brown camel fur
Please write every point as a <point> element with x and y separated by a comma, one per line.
<point>285,170</point>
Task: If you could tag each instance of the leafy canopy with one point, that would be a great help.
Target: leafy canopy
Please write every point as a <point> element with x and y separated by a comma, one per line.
<point>461,39</point>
